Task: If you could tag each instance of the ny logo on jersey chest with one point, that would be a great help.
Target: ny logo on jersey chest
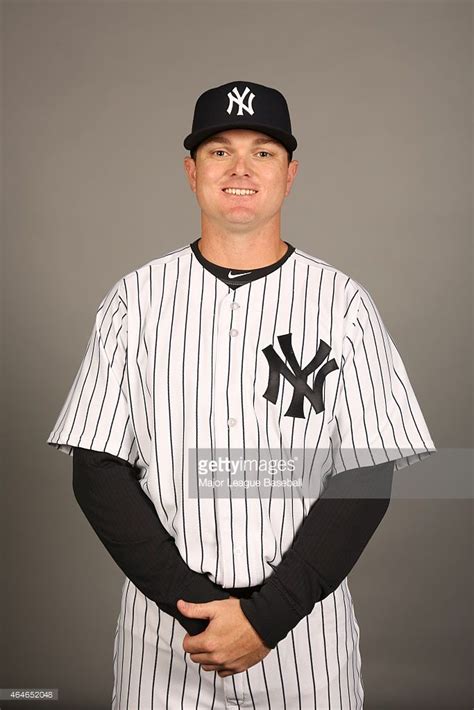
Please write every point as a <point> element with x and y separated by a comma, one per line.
<point>297,376</point>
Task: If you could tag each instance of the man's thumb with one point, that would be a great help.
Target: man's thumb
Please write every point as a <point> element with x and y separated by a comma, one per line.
<point>195,611</point>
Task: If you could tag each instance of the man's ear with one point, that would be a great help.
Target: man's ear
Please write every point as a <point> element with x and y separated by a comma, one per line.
<point>190,168</point>
<point>292,170</point>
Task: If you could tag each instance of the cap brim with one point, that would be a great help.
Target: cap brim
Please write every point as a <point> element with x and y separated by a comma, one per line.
<point>193,139</point>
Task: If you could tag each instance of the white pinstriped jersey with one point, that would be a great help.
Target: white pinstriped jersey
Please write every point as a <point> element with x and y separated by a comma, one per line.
<point>175,362</point>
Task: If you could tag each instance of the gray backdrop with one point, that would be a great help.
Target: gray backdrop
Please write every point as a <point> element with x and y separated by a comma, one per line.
<point>97,98</point>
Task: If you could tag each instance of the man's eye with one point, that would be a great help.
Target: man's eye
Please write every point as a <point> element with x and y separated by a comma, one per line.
<point>219,150</point>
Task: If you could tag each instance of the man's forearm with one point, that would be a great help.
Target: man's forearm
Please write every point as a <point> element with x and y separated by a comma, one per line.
<point>126,522</point>
<point>326,547</point>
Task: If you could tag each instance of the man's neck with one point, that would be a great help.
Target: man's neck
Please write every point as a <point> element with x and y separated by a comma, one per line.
<point>242,252</point>
<point>235,277</point>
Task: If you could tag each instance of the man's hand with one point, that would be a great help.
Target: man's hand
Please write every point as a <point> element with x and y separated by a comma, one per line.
<point>229,644</point>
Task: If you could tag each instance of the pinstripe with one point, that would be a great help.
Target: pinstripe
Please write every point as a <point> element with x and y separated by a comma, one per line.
<point>142,651</point>
<point>153,695</point>
<point>303,328</point>
<point>173,623</point>
<point>186,350</point>
<point>155,398</point>
<point>162,376</point>
<point>337,651</point>
<point>306,504</point>
<point>292,635</point>
<point>281,676</point>
<point>258,436</point>
<point>347,650</point>
<point>196,416</point>
<point>169,400</point>
<point>212,430</point>
<point>325,658</point>
<point>232,557</point>
<point>132,628</point>
<point>267,404</point>
<point>356,656</point>
<point>184,681</point>
<point>311,662</point>
<point>280,443</point>
<point>245,349</point>
<point>122,655</point>
<point>114,660</point>
<point>139,368</point>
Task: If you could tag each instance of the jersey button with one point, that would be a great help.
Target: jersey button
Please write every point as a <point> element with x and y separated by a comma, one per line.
<point>234,305</point>
<point>233,332</point>
<point>237,550</point>
<point>231,421</point>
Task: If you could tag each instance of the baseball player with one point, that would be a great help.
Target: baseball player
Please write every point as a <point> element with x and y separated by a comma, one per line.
<point>238,342</point>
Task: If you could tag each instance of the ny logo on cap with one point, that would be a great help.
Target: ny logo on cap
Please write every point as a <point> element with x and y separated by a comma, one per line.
<point>298,377</point>
<point>239,100</point>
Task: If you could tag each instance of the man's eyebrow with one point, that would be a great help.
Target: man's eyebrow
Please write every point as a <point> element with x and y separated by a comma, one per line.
<point>226,141</point>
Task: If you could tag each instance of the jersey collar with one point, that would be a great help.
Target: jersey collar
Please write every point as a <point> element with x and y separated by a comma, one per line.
<point>238,277</point>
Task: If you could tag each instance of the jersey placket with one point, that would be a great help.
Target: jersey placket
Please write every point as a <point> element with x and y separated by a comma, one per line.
<point>228,425</point>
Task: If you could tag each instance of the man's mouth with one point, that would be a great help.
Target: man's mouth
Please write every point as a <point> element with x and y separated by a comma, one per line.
<point>239,192</point>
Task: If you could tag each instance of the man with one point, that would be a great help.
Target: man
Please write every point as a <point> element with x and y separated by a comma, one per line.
<point>241,345</point>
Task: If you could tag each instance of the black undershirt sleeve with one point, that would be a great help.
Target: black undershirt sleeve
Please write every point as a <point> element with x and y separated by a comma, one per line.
<point>125,520</point>
<point>327,545</point>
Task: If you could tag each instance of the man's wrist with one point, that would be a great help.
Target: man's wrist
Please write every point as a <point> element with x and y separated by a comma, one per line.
<point>275,610</point>
<point>199,589</point>
<point>271,613</point>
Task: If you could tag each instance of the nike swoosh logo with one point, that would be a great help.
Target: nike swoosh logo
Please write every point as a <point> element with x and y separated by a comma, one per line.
<point>235,276</point>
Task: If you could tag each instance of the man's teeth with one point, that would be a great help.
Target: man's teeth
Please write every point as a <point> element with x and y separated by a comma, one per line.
<point>234,191</point>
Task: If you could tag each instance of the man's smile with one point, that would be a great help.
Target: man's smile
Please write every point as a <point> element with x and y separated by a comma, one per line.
<point>239,192</point>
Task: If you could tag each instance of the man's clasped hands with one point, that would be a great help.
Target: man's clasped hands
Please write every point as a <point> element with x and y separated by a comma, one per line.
<point>229,644</point>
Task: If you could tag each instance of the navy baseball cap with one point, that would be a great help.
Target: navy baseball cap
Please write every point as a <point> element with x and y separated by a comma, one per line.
<point>241,104</point>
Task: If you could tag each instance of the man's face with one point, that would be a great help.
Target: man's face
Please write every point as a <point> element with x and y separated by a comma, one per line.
<point>240,158</point>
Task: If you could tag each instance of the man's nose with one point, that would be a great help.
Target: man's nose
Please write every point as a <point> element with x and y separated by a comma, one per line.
<point>241,164</point>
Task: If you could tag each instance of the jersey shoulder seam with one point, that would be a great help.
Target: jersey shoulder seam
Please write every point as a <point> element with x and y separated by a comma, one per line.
<point>166,258</point>
<point>119,289</point>
<point>351,284</point>
<point>317,263</point>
